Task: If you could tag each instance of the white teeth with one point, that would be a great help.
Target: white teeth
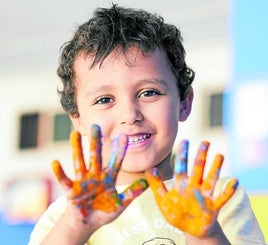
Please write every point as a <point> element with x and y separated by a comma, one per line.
<point>137,139</point>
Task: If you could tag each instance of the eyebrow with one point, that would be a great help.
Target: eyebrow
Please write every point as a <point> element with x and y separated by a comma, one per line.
<point>153,81</point>
<point>162,82</point>
<point>98,89</point>
<point>157,82</point>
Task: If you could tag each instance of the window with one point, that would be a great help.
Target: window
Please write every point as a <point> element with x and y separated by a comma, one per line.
<point>216,110</point>
<point>28,130</point>
<point>62,127</point>
<point>40,129</point>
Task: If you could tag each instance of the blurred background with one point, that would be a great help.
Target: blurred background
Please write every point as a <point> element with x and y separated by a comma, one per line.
<point>226,45</point>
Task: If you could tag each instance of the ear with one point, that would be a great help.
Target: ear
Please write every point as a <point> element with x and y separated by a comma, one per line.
<point>77,123</point>
<point>186,105</point>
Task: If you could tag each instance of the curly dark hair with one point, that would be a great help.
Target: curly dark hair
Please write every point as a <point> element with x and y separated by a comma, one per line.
<point>114,27</point>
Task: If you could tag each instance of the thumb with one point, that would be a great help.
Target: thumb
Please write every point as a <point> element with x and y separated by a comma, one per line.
<point>156,183</point>
<point>133,191</point>
<point>64,181</point>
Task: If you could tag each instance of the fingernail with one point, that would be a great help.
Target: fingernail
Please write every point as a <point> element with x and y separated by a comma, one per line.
<point>235,185</point>
<point>121,196</point>
<point>180,167</point>
<point>155,172</point>
<point>95,130</point>
<point>184,149</point>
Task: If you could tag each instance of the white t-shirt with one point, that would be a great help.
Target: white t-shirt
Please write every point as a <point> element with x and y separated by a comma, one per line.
<point>143,224</point>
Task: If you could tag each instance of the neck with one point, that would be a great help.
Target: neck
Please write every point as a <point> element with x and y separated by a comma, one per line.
<point>165,169</point>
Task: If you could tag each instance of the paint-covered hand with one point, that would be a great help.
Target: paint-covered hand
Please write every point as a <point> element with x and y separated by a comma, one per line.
<point>190,205</point>
<point>92,197</point>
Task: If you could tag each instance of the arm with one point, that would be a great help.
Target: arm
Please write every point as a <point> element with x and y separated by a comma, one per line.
<point>190,205</point>
<point>92,199</point>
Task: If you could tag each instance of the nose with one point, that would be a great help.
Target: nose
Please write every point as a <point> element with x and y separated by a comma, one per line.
<point>129,113</point>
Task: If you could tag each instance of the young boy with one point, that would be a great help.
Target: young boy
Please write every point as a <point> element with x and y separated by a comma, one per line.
<point>126,86</point>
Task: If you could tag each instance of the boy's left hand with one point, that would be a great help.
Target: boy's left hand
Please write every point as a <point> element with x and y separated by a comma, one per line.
<point>190,205</point>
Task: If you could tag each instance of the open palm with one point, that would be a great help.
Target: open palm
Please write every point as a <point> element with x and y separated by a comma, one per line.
<point>92,196</point>
<point>190,205</point>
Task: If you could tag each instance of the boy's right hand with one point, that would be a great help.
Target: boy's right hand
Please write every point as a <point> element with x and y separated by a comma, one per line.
<point>92,197</point>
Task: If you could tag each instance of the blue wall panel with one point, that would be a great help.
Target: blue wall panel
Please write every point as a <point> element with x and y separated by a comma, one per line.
<point>246,106</point>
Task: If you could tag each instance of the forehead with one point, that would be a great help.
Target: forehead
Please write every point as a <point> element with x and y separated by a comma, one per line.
<point>131,57</point>
<point>118,67</point>
<point>130,65</point>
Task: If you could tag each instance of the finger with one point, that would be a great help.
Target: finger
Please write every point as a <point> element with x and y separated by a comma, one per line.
<point>213,175</point>
<point>65,182</point>
<point>95,151</point>
<point>227,194</point>
<point>117,155</point>
<point>199,164</point>
<point>134,190</point>
<point>118,152</point>
<point>78,159</point>
<point>156,183</point>
<point>181,162</point>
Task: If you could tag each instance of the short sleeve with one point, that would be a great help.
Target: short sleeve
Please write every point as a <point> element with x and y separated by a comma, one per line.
<point>237,218</point>
<point>47,221</point>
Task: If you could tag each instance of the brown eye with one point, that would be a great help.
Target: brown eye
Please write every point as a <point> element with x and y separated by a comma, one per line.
<point>149,93</point>
<point>104,100</point>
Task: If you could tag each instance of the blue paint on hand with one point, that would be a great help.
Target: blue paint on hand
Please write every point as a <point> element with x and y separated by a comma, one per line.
<point>199,197</point>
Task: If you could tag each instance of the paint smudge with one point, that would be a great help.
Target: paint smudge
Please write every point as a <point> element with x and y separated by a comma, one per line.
<point>94,188</point>
<point>190,205</point>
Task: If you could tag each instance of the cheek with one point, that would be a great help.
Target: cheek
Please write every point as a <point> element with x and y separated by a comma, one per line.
<point>88,118</point>
<point>169,121</point>
<point>167,114</point>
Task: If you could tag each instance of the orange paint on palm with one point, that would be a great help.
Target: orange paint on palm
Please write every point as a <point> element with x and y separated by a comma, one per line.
<point>110,201</point>
<point>107,202</point>
<point>189,205</point>
<point>183,210</point>
<point>94,189</point>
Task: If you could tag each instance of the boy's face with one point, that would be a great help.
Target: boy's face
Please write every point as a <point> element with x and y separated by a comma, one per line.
<point>137,97</point>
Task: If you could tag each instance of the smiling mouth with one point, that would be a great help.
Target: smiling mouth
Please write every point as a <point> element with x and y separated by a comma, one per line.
<point>138,138</point>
